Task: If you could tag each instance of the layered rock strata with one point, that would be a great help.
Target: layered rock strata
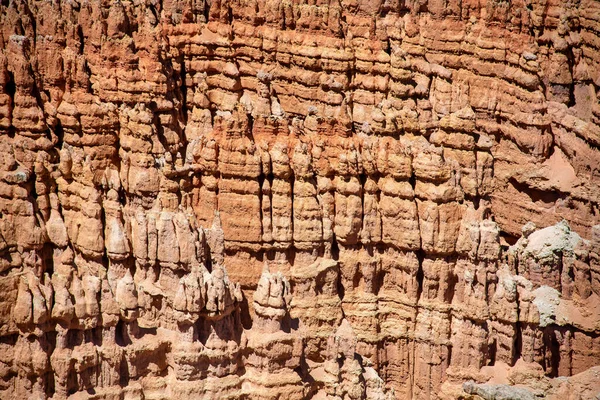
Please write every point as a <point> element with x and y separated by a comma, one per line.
<point>333,199</point>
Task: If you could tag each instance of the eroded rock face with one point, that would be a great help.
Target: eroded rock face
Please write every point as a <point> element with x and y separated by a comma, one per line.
<point>277,199</point>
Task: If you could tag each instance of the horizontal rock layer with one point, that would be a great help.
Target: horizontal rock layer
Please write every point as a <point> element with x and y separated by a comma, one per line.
<point>323,199</point>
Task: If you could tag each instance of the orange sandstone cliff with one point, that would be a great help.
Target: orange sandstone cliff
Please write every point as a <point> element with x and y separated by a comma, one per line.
<point>299,199</point>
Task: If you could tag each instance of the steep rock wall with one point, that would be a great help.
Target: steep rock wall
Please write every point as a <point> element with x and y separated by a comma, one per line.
<point>263,199</point>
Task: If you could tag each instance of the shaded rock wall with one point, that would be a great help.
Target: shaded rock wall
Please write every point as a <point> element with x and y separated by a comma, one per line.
<point>310,199</point>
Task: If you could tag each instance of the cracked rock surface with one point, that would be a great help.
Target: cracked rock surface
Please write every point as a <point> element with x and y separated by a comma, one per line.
<point>332,199</point>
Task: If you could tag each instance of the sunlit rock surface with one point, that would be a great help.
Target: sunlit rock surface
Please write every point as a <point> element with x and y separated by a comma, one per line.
<point>289,200</point>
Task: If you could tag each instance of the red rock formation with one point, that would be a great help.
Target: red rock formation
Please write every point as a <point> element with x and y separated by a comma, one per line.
<point>278,199</point>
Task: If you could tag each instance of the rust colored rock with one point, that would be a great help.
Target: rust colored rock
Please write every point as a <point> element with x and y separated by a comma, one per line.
<point>274,199</point>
